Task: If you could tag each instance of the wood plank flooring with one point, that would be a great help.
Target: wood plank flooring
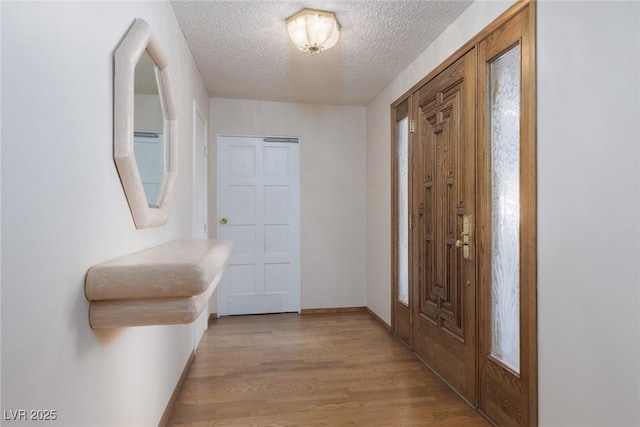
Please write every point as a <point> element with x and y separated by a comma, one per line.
<point>313,370</point>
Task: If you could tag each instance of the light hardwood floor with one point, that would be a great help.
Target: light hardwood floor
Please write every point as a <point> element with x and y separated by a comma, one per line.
<point>312,370</point>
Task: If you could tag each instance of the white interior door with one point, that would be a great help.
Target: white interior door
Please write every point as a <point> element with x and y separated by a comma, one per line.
<point>148,148</point>
<point>258,210</point>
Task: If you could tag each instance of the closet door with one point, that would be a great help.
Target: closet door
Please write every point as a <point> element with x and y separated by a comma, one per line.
<point>443,208</point>
<point>507,223</point>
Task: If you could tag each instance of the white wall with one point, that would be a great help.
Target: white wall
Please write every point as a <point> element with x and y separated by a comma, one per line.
<point>589,203</point>
<point>64,210</point>
<point>588,214</point>
<point>332,190</point>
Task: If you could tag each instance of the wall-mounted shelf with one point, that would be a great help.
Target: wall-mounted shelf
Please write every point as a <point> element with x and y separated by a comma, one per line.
<point>168,284</point>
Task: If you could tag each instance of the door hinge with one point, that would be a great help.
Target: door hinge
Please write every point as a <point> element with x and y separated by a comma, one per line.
<point>411,221</point>
<point>412,126</point>
<point>206,151</point>
<point>411,317</point>
<point>205,229</point>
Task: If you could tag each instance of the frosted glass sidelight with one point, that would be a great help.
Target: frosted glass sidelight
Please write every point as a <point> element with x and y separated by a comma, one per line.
<point>403,210</point>
<point>504,87</point>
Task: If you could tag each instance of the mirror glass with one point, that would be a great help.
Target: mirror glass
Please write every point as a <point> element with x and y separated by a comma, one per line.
<point>145,120</point>
<point>148,132</point>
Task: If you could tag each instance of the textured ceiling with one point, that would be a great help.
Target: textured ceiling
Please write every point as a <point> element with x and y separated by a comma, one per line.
<point>243,51</point>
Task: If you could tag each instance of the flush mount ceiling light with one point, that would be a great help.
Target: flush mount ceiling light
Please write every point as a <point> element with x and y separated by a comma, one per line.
<point>313,30</point>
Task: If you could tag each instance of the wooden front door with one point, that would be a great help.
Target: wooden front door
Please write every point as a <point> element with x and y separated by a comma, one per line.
<point>443,199</point>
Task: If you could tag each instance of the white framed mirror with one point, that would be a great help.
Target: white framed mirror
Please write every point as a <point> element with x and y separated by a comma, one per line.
<point>145,126</point>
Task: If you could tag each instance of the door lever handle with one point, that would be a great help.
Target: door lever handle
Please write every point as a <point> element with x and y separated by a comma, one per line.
<point>464,241</point>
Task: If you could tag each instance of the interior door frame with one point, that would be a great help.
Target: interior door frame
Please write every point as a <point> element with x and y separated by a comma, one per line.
<point>200,181</point>
<point>221,292</point>
<point>200,155</point>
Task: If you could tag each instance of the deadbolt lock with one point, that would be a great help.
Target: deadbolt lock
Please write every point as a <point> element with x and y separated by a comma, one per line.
<point>465,237</point>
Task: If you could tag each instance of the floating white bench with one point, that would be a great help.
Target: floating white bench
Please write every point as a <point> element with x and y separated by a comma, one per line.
<point>168,284</point>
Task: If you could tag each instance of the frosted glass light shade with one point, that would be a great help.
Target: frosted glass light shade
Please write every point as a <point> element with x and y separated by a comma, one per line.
<point>313,30</point>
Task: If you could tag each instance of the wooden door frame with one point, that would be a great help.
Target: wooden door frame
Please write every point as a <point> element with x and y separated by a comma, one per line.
<point>519,29</point>
<point>397,110</point>
<point>528,236</point>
